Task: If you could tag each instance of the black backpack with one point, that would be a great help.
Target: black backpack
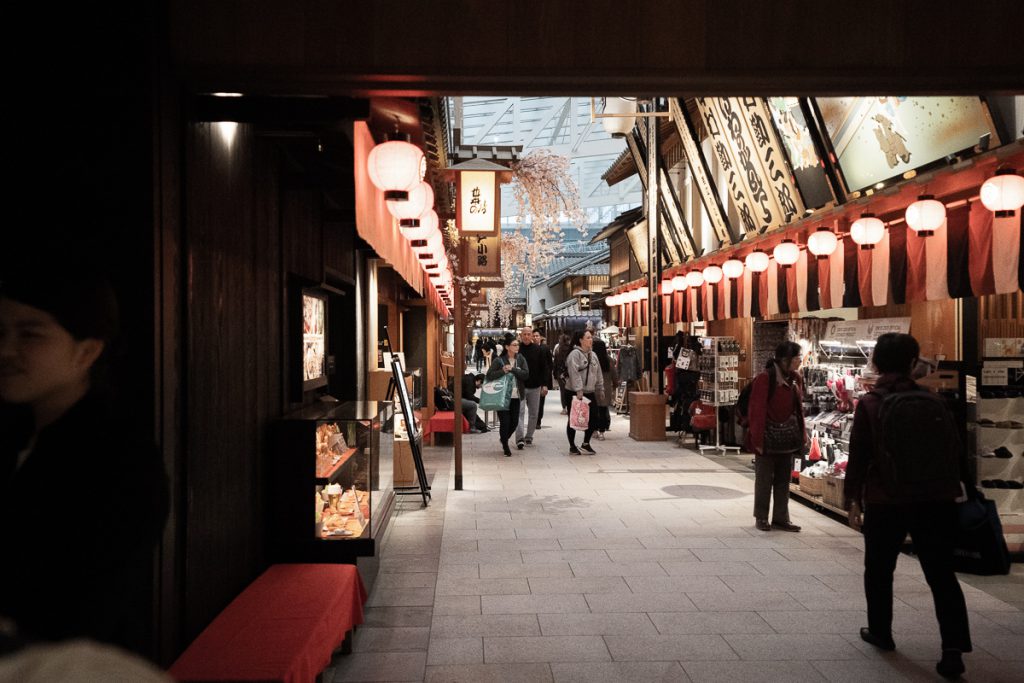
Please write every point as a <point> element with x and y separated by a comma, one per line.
<point>743,405</point>
<point>917,447</point>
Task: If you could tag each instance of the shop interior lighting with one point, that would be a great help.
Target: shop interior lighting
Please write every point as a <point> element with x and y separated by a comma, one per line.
<point>786,253</point>
<point>757,261</point>
<point>733,268</point>
<point>926,215</point>
<point>1003,193</point>
<point>867,231</point>
<point>822,242</point>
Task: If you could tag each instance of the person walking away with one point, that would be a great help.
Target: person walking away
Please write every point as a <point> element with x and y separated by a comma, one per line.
<point>478,354</point>
<point>468,352</point>
<point>83,492</point>
<point>604,417</point>
<point>776,434</point>
<point>535,388</point>
<point>584,381</point>
<point>510,362</point>
<point>545,355</point>
<point>562,351</point>
<point>907,467</point>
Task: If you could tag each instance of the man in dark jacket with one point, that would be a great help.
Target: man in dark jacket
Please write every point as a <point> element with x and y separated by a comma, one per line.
<point>83,493</point>
<point>536,386</point>
<point>471,402</point>
<point>887,519</point>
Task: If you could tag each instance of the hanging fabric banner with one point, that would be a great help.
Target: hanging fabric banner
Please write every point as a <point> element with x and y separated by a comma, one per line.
<point>1006,258</point>
<point>898,262</point>
<point>982,275</point>
<point>958,238</point>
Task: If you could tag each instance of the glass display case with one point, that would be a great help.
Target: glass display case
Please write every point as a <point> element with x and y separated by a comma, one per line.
<point>332,485</point>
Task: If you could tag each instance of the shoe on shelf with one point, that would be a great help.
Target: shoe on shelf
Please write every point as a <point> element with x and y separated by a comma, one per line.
<point>574,451</point>
<point>763,525</point>
<point>1001,452</point>
<point>1013,484</point>
<point>951,666</point>
<point>586,447</point>
<point>520,443</point>
<point>881,643</point>
<point>785,526</point>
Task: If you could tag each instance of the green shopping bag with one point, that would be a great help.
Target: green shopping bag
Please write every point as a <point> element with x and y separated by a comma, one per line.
<point>496,394</point>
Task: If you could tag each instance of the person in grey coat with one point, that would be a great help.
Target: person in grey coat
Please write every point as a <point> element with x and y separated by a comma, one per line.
<point>585,380</point>
<point>510,361</point>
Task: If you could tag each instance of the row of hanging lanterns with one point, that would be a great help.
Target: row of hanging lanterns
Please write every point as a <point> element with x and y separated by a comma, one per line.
<point>397,168</point>
<point>1003,194</point>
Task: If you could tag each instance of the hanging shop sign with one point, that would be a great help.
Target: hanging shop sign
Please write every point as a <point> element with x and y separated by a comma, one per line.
<point>700,173</point>
<point>849,332</point>
<point>748,150</point>
<point>877,140</point>
<point>1004,347</point>
<point>803,149</point>
<point>481,256</point>
<point>478,202</point>
<point>676,241</point>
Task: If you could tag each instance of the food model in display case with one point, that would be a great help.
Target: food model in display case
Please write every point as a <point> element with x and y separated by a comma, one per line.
<point>337,460</point>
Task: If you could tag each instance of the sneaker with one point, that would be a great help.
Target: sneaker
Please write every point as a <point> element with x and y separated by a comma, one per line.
<point>952,665</point>
<point>600,436</point>
<point>574,451</point>
<point>882,643</point>
<point>763,525</point>
<point>785,526</point>
<point>587,448</point>
<point>529,441</point>
<point>520,444</point>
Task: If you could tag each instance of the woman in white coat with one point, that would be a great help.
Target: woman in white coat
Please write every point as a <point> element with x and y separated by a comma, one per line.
<point>585,380</point>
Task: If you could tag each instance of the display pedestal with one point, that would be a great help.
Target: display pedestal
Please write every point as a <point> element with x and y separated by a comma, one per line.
<point>647,416</point>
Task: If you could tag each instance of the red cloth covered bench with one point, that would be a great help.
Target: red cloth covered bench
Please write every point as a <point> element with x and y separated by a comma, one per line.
<point>444,421</point>
<point>283,627</point>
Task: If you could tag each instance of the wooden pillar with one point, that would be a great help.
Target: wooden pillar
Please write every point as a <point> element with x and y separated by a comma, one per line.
<point>460,362</point>
<point>653,253</point>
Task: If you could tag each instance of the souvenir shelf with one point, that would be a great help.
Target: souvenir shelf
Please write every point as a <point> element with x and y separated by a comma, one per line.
<point>719,371</point>
<point>331,485</point>
<point>999,442</point>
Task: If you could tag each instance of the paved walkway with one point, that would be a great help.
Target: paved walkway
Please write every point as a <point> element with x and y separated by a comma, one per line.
<point>639,564</point>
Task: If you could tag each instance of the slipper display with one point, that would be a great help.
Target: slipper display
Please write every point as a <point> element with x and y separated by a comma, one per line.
<point>1014,484</point>
<point>1002,452</point>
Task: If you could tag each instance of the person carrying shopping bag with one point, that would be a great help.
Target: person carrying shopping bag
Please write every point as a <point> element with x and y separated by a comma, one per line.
<point>586,381</point>
<point>776,434</point>
<point>510,363</point>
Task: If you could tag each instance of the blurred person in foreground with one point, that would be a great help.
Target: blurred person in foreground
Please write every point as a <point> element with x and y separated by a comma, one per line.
<point>83,491</point>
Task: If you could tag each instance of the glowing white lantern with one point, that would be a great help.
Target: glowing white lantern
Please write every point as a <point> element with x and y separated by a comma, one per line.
<point>1003,193</point>
<point>694,278</point>
<point>427,226</point>
<point>666,287</point>
<point>679,283</point>
<point>394,167</point>
<point>822,242</point>
<point>622,123</point>
<point>867,231</point>
<point>757,261</point>
<point>713,274</point>
<point>421,198</point>
<point>786,253</point>
<point>733,268</point>
<point>926,215</point>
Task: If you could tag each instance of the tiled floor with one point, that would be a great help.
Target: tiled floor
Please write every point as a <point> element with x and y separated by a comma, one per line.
<point>640,564</point>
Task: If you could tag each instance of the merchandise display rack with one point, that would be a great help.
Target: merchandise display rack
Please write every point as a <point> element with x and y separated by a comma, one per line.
<point>719,370</point>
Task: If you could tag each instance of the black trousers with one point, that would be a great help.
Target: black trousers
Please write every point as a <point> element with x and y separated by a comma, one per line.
<point>571,433</point>
<point>771,481</point>
<point>931,528</point>
<point>540,410</point>
<point>508,420</point>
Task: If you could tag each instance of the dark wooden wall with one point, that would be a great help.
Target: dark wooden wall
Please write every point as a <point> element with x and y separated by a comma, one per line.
<point>560,47</point>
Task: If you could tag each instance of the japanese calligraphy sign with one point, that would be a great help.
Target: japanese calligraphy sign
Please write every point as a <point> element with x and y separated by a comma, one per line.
<point>760,181</point>
<point>481,255</point>
<point>478,207</point>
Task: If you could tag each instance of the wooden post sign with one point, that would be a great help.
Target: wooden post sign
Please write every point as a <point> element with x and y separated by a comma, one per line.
<point>481,255</point>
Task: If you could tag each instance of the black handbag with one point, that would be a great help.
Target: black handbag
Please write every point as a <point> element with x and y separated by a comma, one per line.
<point>783,437</point>
<point>979,546</point>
